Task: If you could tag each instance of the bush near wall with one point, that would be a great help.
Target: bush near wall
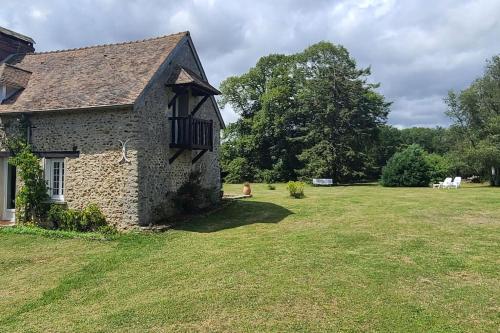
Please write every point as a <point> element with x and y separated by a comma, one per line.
<point>88,219</point>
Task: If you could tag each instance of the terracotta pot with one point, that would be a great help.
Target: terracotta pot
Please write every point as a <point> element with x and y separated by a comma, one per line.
<point>246,189</point>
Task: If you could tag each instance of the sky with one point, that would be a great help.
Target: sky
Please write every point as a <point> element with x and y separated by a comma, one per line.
<point>418,49</point>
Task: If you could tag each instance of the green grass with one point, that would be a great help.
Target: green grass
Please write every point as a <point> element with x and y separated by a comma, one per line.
<point>354,258</point>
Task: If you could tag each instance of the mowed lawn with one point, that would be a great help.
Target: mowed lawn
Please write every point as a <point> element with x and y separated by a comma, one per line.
<point>353,258</point>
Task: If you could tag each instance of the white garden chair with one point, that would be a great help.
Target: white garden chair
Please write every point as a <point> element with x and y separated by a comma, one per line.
<point>456,182</point>
<point>447,182</point>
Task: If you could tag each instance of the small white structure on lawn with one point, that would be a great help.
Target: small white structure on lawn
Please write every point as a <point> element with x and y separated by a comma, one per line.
<point>322,181</point>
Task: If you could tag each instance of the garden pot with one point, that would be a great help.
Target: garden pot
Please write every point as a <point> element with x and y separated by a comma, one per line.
<point>246,189</point>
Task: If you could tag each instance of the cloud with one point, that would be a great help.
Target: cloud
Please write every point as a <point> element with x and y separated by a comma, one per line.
<point>417,50</point>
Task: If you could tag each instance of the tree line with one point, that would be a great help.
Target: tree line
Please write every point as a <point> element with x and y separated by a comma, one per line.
<point>316,114</point>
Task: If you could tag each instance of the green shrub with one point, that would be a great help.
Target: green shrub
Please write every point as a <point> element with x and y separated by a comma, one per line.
<point>407,168</point>
<point>238,170</point>
<point>56,215</point>
<point>92,218</point>
<point>268,176</point>
<point>89,219</point>
<point>296,189</point>
<point>72,220</point>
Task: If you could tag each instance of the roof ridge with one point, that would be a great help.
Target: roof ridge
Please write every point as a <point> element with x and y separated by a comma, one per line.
<point>109,44</point>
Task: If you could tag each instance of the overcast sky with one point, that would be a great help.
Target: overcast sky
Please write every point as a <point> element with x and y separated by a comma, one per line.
<point>418,50</point>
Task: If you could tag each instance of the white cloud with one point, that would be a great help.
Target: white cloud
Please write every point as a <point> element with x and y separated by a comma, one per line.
<point>418,50</point>
<point>39,14</point>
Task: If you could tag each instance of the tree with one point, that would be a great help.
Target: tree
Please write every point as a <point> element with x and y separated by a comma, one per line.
<point>310,114</point>
<point>476,115</point>
<point>388,142</point>
<point>440,167</point>
<point>407,168</point>
<point>264,134</point>
<point>433,140</point>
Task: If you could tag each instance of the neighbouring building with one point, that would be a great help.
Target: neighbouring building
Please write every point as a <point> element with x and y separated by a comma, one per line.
<point>119,125</point>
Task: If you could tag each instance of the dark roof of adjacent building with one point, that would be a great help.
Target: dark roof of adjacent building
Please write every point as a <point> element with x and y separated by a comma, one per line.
<point>16,35</point>
<point>89,77</point>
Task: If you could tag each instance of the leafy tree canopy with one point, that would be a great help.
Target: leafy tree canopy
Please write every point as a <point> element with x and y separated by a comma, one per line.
<point>310,114</point>
<point>475,112</point>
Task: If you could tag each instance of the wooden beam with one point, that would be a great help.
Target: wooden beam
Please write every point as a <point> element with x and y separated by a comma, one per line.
<point>48,154</point>
<point>177,154</point>
<point>57,154</point>
<point>200,154</point>
<point>198,106</point>
<point>172,101</point>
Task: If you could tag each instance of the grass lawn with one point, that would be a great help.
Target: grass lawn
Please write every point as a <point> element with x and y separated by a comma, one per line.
<point>355,258</point>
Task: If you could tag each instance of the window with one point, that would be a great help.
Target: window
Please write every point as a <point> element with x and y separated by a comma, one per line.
<point>54,176</point>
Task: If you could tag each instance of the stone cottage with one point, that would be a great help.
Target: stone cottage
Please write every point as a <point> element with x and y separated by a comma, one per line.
<point>119,125</point>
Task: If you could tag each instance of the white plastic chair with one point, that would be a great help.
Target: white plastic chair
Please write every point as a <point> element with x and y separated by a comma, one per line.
<point>456,182</point>
<point>447,182</point>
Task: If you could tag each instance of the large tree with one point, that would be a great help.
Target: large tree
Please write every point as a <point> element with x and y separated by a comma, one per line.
<point>311,114</point>
<point>476,115</point>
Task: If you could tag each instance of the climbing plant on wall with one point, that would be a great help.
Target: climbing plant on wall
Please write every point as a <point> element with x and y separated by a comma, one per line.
<point>31,197</point>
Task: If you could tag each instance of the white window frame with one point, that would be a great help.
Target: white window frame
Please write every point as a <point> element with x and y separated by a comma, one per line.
<point>50,177</point>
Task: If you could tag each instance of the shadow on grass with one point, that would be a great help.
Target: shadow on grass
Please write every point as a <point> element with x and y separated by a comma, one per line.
<point>237,214</point>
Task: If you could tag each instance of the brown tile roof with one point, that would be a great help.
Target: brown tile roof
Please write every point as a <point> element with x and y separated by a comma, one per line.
<point>13,76</point>
<point>184,76</point>
<point>95,76</point>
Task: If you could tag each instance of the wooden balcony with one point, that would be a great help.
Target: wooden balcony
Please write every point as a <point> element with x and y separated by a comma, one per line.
<point>191,133</point>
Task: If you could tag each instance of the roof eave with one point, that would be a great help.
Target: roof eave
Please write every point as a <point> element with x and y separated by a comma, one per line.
<point>16,35</point>
<point>84,108</point>
<point>207,90</point>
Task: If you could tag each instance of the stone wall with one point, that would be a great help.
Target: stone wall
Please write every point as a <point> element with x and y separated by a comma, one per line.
<point>95,176</point>
<point>158,179</point>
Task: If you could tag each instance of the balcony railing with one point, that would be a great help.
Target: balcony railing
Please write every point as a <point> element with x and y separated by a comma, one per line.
<point>191,133</point>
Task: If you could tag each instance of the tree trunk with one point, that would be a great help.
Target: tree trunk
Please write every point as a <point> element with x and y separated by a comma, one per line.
<point>495,176</point>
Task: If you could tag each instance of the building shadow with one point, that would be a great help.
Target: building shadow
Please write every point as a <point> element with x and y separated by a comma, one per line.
<point>236,214</point>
